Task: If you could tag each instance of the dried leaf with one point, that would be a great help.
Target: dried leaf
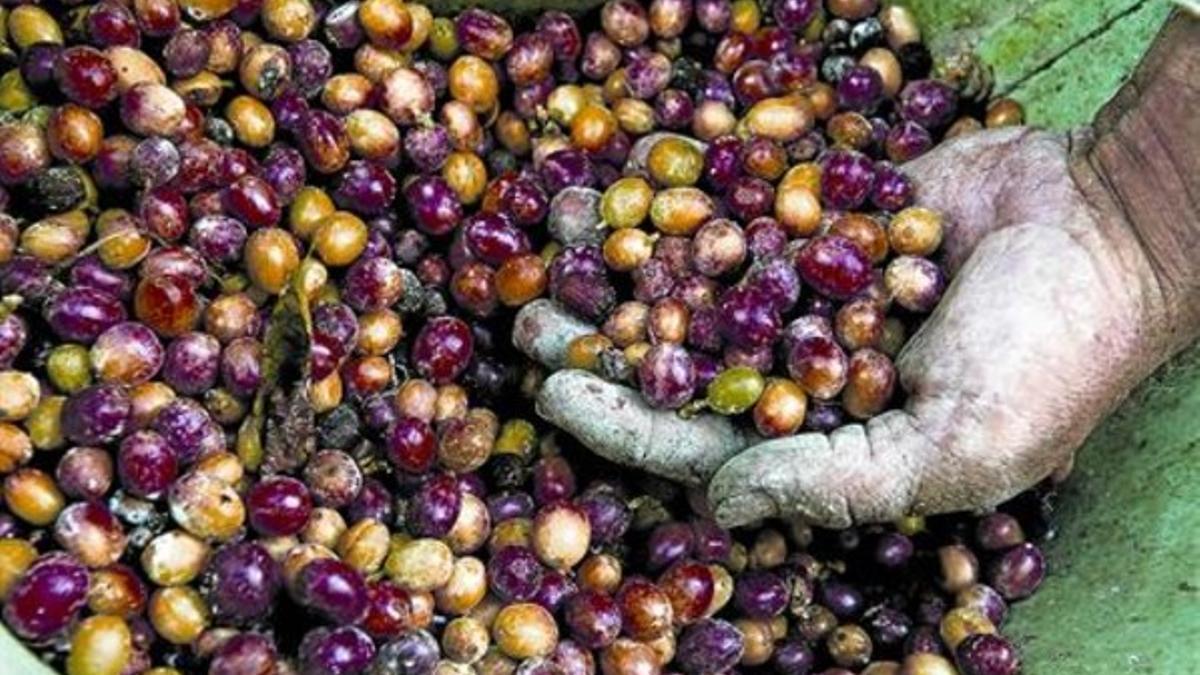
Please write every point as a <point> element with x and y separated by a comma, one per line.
<point>285,343</point>
<point>291,436</point>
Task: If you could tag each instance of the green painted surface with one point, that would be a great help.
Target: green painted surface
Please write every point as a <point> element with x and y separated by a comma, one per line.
<point>1061,58</point>
<point>1123,594</point>
<point>1075,86</point>
<point>1022,36</point>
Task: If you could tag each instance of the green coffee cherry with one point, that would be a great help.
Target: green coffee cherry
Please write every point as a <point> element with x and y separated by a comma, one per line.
<point>626,202</point>
<point>517,437</point>
<point>735,390</point>
<point>69,368</point>
<point>443,39</point>
<point>15,96</point>
<point>44,424</point>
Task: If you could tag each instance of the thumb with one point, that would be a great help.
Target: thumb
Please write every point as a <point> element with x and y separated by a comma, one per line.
<point>970,180</point>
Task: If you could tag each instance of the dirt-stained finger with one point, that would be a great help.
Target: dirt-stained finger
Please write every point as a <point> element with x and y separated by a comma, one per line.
<point>544,329</point>
<point>858,473</point>
<point>615,423</point>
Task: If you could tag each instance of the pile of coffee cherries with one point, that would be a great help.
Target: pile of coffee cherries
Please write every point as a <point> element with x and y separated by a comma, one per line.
<point>259,262</point>
<point>777,237</point>
<point>519,567</point>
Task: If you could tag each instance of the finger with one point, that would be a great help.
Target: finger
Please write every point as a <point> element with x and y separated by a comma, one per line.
<point>858,473</point>
<point>981,183</point>
<point>543,330</point>
<point>614,422</point>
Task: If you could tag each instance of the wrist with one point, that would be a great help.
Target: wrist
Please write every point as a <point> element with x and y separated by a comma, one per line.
<point>1141,163</point>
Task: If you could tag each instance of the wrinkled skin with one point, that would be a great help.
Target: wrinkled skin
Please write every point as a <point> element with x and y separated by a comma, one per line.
<point>1074,276</point>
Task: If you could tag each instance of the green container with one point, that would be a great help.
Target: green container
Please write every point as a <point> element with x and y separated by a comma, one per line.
<point>1123,593</point>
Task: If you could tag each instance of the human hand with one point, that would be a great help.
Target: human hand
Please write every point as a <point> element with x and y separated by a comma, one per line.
<point>1071,283</point>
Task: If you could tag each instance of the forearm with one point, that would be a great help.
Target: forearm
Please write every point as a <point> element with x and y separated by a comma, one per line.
<point>1142,161</point>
